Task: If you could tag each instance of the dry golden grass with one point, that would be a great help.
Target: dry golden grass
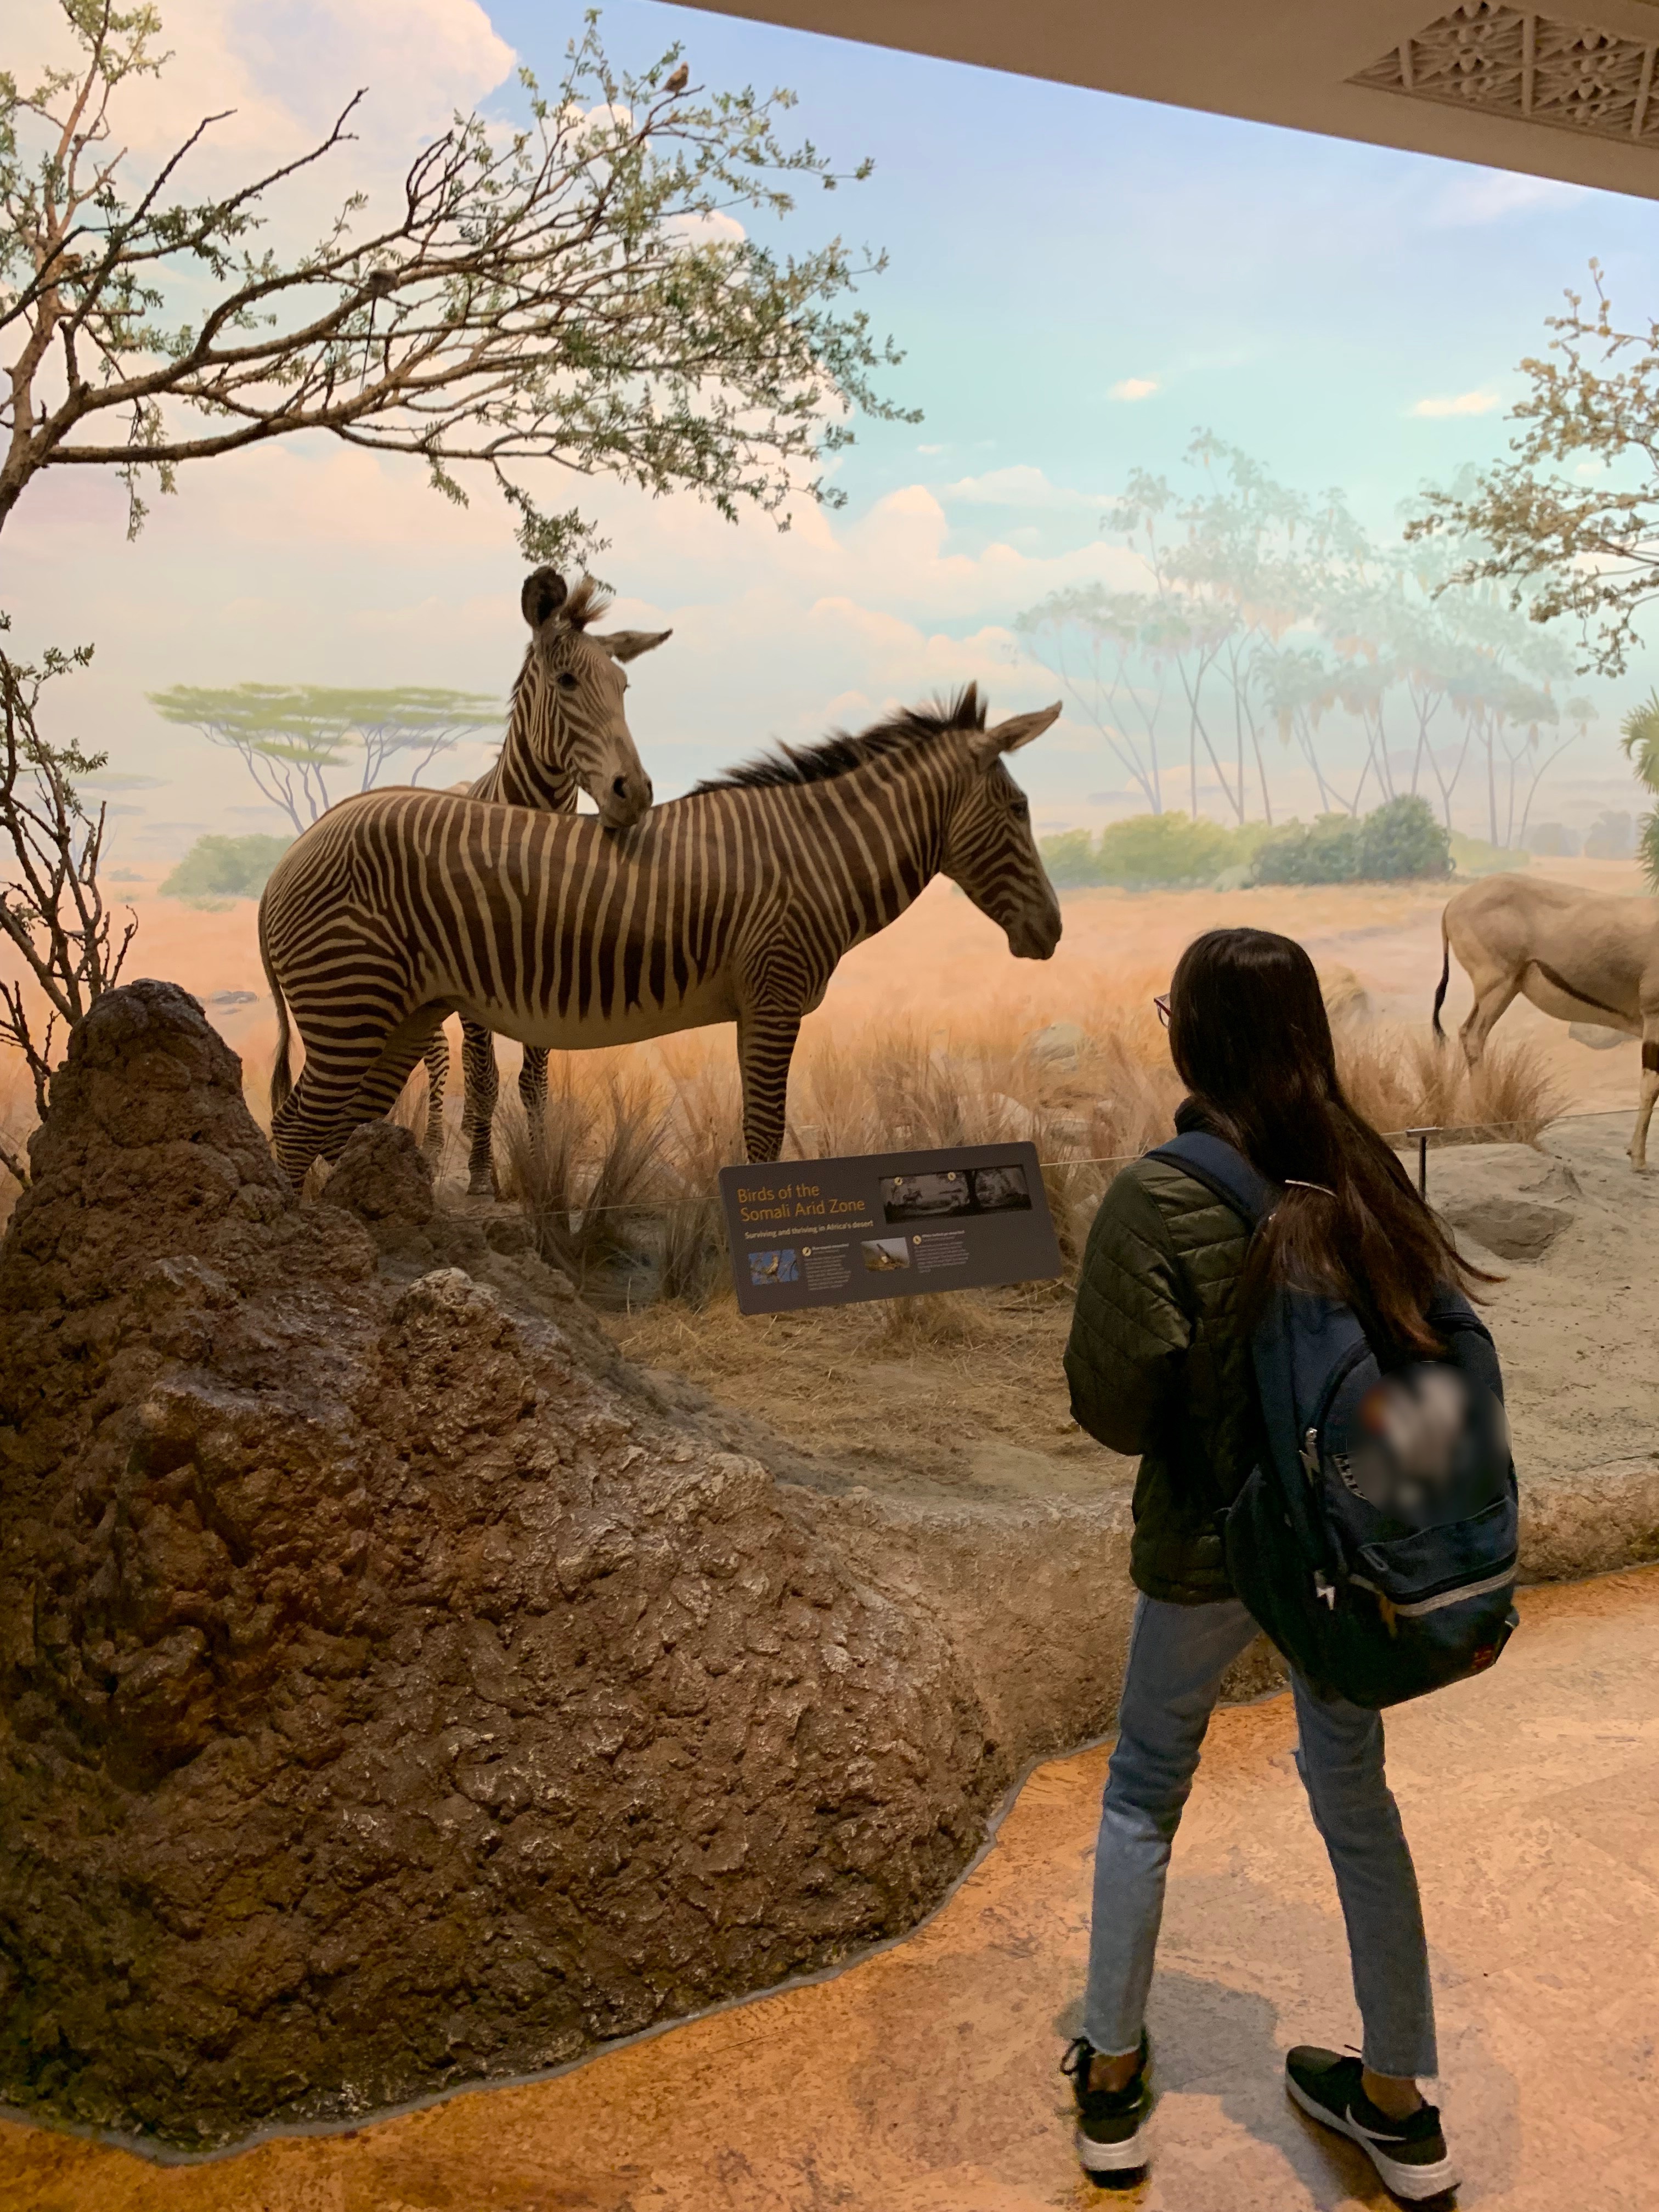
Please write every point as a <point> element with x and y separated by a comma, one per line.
<point>623,1193</point>
<point>636,1136</point>
<point>1403,1079</point>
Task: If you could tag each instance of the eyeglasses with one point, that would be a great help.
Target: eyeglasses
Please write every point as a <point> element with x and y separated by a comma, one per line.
<point>1162,1002</point>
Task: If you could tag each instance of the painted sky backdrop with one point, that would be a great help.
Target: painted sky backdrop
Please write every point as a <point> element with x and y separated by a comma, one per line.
<point>1078,282</point>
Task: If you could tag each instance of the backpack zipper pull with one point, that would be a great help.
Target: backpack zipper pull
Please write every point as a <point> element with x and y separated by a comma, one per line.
<point>1310,1455</point>
<point>1324,1588</point>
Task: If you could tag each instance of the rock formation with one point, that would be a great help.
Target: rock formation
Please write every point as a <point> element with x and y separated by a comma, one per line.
<point>391,1699</point>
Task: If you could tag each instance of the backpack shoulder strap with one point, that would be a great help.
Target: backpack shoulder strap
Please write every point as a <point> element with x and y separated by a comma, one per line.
<point>1220,1167</point>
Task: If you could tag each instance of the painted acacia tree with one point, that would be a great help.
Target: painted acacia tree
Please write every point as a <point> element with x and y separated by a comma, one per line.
<point>1268,614</point>
<point>293,738</point>
<point>577,295</point>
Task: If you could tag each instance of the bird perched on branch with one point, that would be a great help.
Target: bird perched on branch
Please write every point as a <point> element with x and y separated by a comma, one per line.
<point>681,78</point>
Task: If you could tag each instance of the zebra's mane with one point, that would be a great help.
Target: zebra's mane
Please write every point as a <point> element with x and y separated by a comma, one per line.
<point>841,750</point>
<point>587,603</point>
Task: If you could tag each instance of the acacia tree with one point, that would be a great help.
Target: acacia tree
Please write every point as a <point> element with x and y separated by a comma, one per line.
<point>1193,629</point>
<point>293,737</point>
<point>1096,641</point>
<point>578,290</point>
<point>1583,543</point>
<point>1639,735</point>
<point>563,292</point>
<point>1272,612</point>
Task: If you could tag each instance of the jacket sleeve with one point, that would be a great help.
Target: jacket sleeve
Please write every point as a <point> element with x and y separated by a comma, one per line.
<point>1130,1329</point>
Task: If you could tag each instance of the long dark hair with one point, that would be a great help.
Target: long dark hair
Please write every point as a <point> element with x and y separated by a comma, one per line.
<point>1251,1038</point>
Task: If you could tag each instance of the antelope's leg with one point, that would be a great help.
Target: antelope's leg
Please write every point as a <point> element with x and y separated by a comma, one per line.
<point>1639,1143</point>
<point>1489,1002</point>
<point>532,1094</point>
<point>766,1044</point>
<point>437,1082</point>
<point>483,1081</point>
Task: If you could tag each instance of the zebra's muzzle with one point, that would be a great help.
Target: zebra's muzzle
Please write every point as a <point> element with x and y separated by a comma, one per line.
<point>1034,937</point>
<point>628,799</point>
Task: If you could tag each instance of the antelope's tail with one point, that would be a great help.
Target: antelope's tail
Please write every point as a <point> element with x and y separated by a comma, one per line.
<point>1445,974</point>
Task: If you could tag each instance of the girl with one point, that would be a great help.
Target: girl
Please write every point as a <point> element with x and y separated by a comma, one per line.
<point>1159,1365</point>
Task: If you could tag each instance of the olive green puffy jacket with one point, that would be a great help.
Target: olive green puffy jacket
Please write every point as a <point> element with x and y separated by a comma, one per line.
<point>1159,1364</point>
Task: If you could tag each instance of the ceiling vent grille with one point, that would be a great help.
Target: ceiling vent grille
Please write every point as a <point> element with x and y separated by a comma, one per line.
<point>1493,60</point>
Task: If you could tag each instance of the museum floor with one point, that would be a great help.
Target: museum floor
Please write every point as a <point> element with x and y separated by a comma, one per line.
<point>924,2080</point>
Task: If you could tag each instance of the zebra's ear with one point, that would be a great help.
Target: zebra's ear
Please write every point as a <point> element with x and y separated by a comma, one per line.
<point>544,593</point>
<point>630,644</point>
<point>1019,730</point>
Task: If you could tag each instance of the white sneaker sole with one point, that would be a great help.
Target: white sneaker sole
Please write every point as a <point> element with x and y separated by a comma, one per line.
<point>1414,2183</point>
<point>1113,2158</point>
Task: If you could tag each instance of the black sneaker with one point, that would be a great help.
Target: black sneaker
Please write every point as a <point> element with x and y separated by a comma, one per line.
<point>1410,2154</point>
<point>1111,2123</point>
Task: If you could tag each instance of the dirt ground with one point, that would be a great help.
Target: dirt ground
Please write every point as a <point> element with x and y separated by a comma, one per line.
<point>965,1396</point>
<point>925,2079</point>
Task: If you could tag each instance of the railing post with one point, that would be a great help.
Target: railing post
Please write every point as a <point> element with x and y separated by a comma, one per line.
<point>1422,1137</point>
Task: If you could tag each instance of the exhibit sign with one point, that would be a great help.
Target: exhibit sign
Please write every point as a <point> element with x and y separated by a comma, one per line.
<point>891,1225</point>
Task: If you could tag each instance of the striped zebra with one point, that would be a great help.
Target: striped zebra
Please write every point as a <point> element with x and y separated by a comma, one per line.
<point>566,733</point>
<point>732,904</point>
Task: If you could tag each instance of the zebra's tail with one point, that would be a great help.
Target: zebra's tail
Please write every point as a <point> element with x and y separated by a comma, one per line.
<point>1445,974</point>
<point>281,1082</point>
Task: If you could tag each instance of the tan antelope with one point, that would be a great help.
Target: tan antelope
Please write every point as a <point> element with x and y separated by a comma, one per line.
<point>1578,955</point>
<point>732,904</point>
<point>566,732</point>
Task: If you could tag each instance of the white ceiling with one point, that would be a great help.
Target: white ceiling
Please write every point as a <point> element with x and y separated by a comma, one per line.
<point>1564,92</point>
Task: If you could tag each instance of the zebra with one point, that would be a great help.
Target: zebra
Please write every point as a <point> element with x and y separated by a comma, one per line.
<point>732,904</point>
<point>566,732</point>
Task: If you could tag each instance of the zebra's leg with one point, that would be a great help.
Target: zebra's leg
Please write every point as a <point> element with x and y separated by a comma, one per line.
<point>532,1094</point>
<point>344,1085</point>
<point>437,1082</point>
<point>484,1084</point>
<point>766,1044</point>
<point>315,1119</point>
<point>379,1091</point>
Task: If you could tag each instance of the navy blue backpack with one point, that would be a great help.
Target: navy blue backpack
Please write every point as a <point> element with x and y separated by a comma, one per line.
<point>1377,1544</point>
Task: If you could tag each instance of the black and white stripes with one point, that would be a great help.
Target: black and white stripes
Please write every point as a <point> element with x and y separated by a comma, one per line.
<point>732,904</point>
<point>566,733</point>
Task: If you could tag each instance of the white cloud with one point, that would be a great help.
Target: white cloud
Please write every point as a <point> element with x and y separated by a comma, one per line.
<point>285,68</point>
<point>714,227</point>
<point>1019,486</point>
<point>1482,402</point>
<point>1480,196</point>
<point>310,564</point>
<point>1134,387</point>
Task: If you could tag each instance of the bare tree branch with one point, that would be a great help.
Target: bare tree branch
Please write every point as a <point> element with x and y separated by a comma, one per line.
<point>52,914</point>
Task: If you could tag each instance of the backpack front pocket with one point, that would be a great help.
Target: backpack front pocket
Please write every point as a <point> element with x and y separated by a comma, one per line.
<point>1433,1568</point>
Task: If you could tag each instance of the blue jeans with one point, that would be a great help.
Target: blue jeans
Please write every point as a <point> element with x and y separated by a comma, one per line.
<point>1178,1657</point>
